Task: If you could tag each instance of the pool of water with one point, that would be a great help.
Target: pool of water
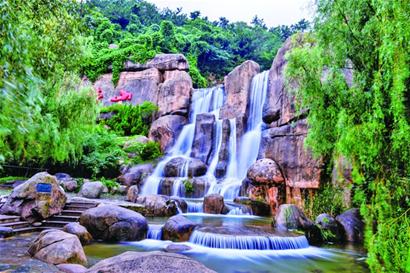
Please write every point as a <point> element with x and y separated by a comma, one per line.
<point>328,259</point>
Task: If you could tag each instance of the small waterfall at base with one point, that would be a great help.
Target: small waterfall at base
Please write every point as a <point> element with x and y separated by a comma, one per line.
<point>154,232</point>
<point>195,206</point>
<point>207,100</point>
<point>247,242</point>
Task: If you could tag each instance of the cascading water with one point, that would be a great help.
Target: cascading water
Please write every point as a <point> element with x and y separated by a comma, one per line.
<point>207,100</point>
<point>154,232</point>
<point>245,242</point>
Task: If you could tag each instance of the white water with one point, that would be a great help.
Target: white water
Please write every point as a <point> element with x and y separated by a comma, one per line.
<point>214,240</point>
<point>154,232</point>
<point>203,101</point>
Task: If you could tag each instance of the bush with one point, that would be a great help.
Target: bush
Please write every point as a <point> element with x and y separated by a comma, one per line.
<point>130,119</point>
<point>144,151</point>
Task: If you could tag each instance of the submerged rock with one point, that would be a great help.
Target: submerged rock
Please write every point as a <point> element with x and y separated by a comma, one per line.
<point>214,204</point>
<point>58,247</point>
<point>178,229</point>
<point>352,224</point>
<point>113,223</point>
<point>38,198</point>
<point>149,262</point>
<point>290,217</point>
<point>177,248</point>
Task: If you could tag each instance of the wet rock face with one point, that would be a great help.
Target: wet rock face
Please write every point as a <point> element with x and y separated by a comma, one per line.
<point>177,166</point>
<point>265,171</point>
<point>203,138</point>
<point>214,204</point>
<point>58,247</point>
<point>200,186</point>
<point>158,205</point>
<point>257,207</point>
<point>92,189</point>
<point>285,145</point>
<point>178,229</point>
<point>291,217</point>
<point>237,86</point>
<point>174,94</point>
<point>136,174</point>
<point>353,225</point>
<point>38,198</point>
<point>166,129</point>
<point>113,224</point>
<point>223,158</point>
<point>79,231</point>
<point>149,262</point>
<point>164,62</point>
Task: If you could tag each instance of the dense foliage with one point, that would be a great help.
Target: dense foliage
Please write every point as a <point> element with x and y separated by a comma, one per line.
<point>366,119</point>
<point>140,30</point>
<point>130,119</point>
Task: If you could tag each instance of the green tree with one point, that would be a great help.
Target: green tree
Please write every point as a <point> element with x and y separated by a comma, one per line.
<point>366,118</point>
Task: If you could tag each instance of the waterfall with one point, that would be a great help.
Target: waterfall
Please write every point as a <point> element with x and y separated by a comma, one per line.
<point>206,100</point>
<point>154,232</point>
<point>195,207</point>
<point>247,242</point>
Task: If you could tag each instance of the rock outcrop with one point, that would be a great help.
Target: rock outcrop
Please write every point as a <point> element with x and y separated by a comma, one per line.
<point>237,86</point>
<point>178,229</point>
<point>214,204</point>
<point>135,174</point>
<point>353,225</point>
<point>149,262</point>
<point>38,198</point>
<point>165,62</point>
<point>203,138</point>
<point>181,167</point>
<point>112,223</point>
<point>58,247</point>
<point>166,129</point>
<point>332,228</point>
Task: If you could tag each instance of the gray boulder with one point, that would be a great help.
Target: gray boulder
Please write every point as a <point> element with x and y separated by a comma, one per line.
<point>158,205</point>
<point>79,231</point>
<point>265,171</point>
<point>58,247</point>
<point>149,262</point>
<point>164,62</point>
<point>71,268</point>
<point>332,229</point>
<point>178,229</point>
<point>92,189</point>
<point>38,198</point>
<point>132,193</point>
<point>112,223</point>
<point>136,174</point>
<point>177,167</point>
<point>214,204</point>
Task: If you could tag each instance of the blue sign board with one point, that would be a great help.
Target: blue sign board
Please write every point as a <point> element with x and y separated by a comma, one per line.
<point>43,188</point>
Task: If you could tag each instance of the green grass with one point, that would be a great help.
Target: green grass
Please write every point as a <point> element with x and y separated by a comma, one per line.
<point>7,179</point>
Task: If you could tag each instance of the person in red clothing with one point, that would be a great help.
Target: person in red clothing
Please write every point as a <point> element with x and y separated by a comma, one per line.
<point>124,96</point>
<point>100,94</point>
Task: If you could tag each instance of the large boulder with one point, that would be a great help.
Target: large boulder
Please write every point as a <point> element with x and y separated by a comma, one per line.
<point>223,157</point>
<point>333,231</point>
<point>92,189</point>
<point>290,217</point>
<point>182,167</point>
<point>214,204</point>
<point>353,225</point>
<point>285,145</point>
<point>38,198</point>
<point>257,207</point>
<point>166,129</point>
<point>237,87</point>
<point>58,247</point>
<point>265,171</point>
<point>113,223</point>
<point>203,137</point>
<point>79,231</point>
<point>132,193</point>
<point>68,183</point>
<point>164,62</point>
<point>178,229</point>
<point>71,268</point>
<point>175,94</point>
<point>136,174</point>
<point>158,205</point>
<point>149,262</point>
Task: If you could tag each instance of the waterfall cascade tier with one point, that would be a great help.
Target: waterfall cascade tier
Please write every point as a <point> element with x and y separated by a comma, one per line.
<point>247,242</point>
<point>154,231</point>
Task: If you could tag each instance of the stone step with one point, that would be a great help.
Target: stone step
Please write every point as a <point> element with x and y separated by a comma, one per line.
<point>8,218</point>
<point>66,218</point>
<point>72,212</point>
<point>52,224</point>
<point>16,225</point>
<point>82,204</point>
<point>25,230</point>
<point>82,209</point>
